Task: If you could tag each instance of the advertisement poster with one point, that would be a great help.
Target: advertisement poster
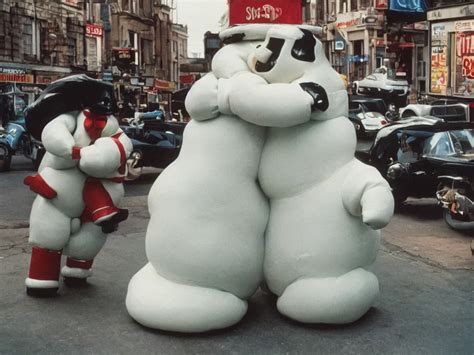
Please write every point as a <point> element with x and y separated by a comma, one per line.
<point>464,84</point>
<point>439,70</point>
<point>439,58</point>
<point>439,34</point>
<point>268,11</point>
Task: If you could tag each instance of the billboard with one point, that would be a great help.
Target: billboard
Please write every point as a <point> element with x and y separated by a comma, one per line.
<point>265,11</point>
<point>408,5</point>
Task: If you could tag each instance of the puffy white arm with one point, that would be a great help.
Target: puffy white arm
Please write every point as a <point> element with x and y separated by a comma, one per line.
<point>201,100</point>
<point>104,158</point>
<point>365,193</point>
<point>57,135</point>
<point>273,105</point>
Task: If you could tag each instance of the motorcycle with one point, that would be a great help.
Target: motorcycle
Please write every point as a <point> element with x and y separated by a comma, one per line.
<point>15,139</point>
<point>456,195</point>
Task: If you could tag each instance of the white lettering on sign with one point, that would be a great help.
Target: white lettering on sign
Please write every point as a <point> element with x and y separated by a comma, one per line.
<point>263,12</point>
<point>94,30</point>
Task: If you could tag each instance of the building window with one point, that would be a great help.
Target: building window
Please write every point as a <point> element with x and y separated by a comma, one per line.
<point>365,4</point>
<point>332,8</point>
<point>28,47</point>
<point>353,5</point>
<point>125,5</point>
<point>131,39</point>
<point>72,51</point>
<point>342,6</point>
<point>146,52</point>
<point>319,11</point>
<point>175,47</point>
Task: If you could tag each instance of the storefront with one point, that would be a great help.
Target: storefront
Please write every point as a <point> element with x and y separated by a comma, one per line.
<point>406,43</point>
<point>353,49</point>
<point>452,51</point>
<point>30,79</point>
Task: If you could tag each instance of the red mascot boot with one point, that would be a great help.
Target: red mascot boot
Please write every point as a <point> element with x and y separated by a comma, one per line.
<point>76,272</point>
<point>43,278</point>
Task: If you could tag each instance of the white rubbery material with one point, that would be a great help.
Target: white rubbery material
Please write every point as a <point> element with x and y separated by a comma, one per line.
<point>67,271</point>
<point>333,300</point>
<point>156,302</point>
<point>86,243</point>
<point>32,283</point>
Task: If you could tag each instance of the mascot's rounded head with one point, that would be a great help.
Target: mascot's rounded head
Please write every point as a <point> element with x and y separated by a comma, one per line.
<point>73,93</point>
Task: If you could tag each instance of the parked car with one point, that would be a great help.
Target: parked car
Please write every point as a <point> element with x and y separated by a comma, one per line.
<point>413,154</point>
<point>450,110</point>
<point>155,143</point>
<point>367,115</point>
<point>383,83</point>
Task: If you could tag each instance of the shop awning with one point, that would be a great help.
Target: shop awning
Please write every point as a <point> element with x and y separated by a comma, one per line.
<point>406,11</point>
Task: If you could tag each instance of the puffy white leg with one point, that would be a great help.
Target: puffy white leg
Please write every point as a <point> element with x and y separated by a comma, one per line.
<point>336,300</point>
<point>159,303</point>
<point>81,250</point>
<point>49,227</point>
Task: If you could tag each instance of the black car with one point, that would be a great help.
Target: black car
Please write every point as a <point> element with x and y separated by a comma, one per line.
<point>367,114</point>
<point>155,143</point>
<point>418,155</point>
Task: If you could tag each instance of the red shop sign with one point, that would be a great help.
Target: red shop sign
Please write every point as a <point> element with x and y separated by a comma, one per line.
<point>94,30</point>
<point>265,11</point>
<point>381,4</point>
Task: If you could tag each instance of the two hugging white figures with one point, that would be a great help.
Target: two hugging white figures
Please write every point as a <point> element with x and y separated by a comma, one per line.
<point>266,189</point>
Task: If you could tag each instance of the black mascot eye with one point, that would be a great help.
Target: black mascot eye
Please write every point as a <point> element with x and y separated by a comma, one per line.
<point>303,48</point>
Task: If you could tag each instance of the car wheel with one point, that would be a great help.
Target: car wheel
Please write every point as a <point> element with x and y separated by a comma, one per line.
<point>399,197</point>
<point>457,224</point>
<point>5,157</point>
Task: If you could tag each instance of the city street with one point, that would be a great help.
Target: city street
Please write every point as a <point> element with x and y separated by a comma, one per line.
<point>425,306</point>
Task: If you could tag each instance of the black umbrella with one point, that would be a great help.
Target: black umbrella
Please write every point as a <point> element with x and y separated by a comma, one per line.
<point>73,93</point>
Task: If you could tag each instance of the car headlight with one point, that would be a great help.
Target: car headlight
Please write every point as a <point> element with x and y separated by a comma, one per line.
<point>395,171</point>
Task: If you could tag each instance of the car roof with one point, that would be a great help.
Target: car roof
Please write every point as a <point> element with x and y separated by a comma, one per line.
<point>423,123</point>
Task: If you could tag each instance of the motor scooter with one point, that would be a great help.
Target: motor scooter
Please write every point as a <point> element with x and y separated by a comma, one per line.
<point>15,138</point>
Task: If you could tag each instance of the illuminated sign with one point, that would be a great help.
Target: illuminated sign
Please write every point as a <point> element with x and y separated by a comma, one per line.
<point>265,11</point>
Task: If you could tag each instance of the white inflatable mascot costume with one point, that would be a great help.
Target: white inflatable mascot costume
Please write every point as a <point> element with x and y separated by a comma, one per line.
<point>326,207</point>
<point>205,239</point>
<point>79,181</point>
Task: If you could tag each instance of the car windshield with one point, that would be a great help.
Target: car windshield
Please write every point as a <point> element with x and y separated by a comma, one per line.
<point>451,143</point>
<point>391,73</point>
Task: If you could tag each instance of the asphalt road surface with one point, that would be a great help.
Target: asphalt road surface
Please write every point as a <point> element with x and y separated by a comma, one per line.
<point>425,306</point>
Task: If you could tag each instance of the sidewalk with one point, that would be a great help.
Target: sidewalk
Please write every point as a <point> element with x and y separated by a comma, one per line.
<point>422,309</point>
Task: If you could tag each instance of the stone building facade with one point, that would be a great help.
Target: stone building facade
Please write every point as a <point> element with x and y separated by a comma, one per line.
<point>40,41</point>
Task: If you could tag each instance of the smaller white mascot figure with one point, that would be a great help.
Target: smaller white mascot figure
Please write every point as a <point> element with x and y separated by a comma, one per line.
<point>79,181</point>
